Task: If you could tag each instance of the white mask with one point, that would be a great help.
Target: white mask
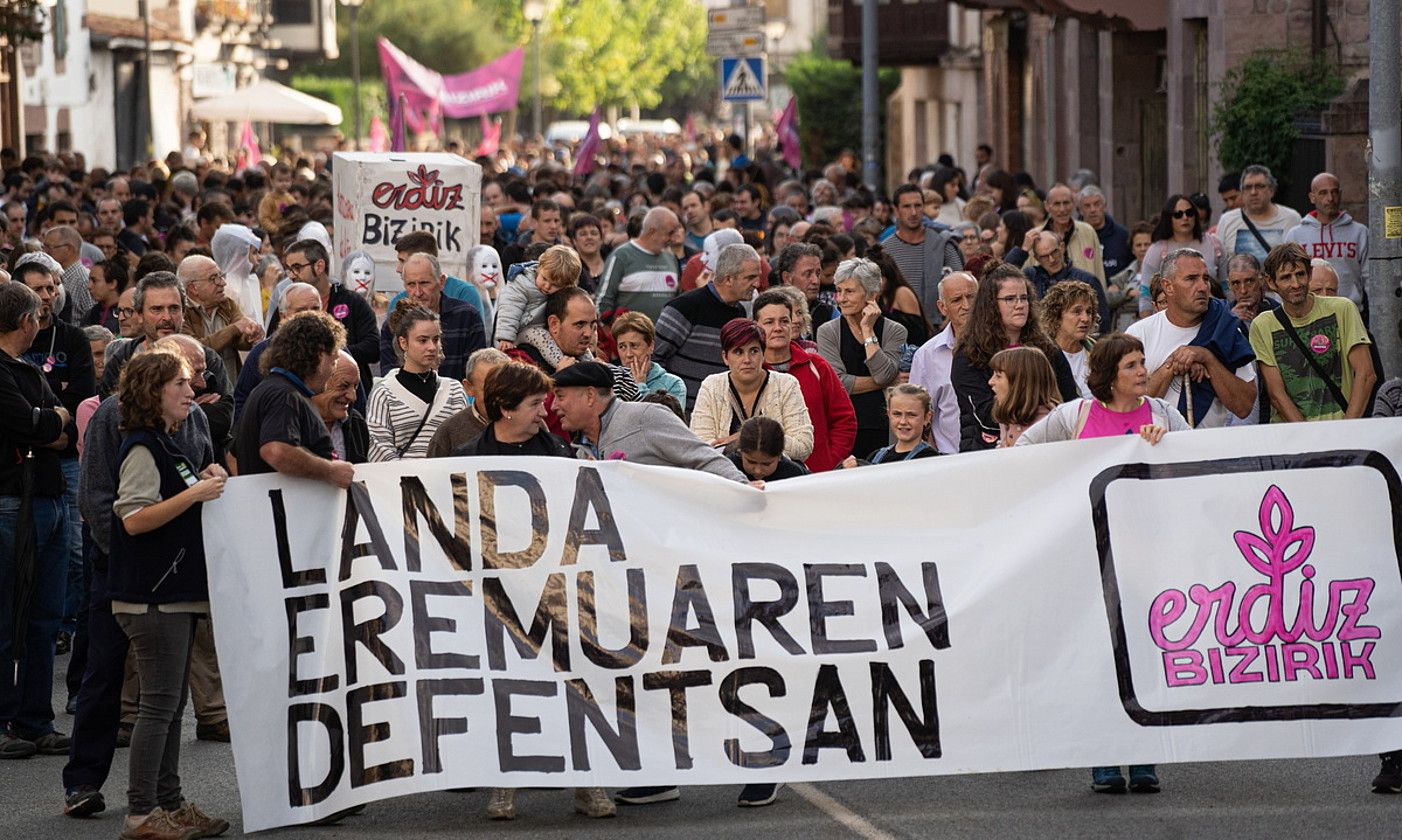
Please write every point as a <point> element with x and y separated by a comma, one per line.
<point>361,274</point>
<point>486,267</point>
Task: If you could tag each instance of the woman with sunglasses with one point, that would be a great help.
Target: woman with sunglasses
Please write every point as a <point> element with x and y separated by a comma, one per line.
<point>1180,226</point>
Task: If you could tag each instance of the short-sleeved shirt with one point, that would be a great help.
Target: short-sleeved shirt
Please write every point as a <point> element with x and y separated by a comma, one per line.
<point>1330,330</point>
<point>1161,337</point>
<point>278,411</point>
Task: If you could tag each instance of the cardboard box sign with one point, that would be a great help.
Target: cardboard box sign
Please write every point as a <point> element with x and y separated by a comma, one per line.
<point>380,197</point>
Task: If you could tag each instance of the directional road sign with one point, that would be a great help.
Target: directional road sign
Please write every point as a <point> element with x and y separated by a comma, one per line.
<point>736,17</point>
<point>723,42</point>
<point>743,79</point>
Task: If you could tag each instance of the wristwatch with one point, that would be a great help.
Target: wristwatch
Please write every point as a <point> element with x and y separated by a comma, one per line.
<point>872,340</point>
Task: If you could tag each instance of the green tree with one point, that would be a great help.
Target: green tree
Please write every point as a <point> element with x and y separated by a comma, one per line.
<point>1259,101</point>
<point>21,21</point>
<point>449,36</point>
<point>829,93</point>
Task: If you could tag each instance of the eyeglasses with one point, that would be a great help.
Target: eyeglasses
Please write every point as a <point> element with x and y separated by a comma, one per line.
<point>1014,300</point>
<point>1183,214</point>
<point>126,312</point>
<point>1254,187</point>
<point>296,268</point>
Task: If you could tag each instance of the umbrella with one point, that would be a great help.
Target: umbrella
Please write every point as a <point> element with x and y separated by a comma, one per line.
<point>26,559</point>
<point>267,101</point>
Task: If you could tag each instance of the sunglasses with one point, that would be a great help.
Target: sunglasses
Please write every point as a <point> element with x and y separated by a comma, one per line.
<point>1183,214</point>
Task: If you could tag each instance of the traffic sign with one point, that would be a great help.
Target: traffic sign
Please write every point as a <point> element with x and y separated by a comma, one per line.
<point>736,17</point>
<point>723,42</point>
<point>743,79</point>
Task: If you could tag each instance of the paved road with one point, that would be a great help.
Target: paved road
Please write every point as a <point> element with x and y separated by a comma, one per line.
<point>1275,799</point>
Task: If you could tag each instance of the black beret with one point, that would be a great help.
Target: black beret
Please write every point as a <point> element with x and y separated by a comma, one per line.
<point>586,375</point>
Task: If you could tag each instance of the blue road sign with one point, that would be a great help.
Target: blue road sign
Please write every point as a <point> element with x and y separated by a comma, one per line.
<point>743,79</point>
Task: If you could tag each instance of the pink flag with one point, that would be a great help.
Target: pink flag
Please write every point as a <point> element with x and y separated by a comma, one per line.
<point>249,152</point>
<point>491,88</point>
<point>588,147</point>
<point>787,129</point>
<point>379,135</point>
<point>491,138</point>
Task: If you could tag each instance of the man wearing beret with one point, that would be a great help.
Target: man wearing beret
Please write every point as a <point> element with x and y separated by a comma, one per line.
<point>644,433</point>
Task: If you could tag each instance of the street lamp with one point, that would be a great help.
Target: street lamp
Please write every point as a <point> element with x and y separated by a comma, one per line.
<point>353,6</point>
<point>534,11</point>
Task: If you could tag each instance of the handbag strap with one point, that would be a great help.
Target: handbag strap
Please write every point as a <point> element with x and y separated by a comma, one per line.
<point>1251,226</point>
<point>1334,390</point>
<point>423,421</point>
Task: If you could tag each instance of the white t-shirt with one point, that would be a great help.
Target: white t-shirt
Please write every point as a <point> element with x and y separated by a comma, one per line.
<point>1161,337</point>
<point>1237,238</point>
<point>1080,369</point>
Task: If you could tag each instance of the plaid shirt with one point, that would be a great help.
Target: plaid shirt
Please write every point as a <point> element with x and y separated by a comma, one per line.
<point>463,333</point>
<point>75,284</point>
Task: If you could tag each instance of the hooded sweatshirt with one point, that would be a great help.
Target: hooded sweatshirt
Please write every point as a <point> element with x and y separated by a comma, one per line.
<point>1344,243</point>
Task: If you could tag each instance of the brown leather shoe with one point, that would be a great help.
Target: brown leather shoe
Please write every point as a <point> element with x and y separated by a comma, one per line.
<point>204,825</point>
<point>592,802</point>
<point>158,825</point>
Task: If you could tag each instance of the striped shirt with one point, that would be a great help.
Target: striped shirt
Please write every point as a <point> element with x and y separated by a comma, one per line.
<point>394,416</point>
<point>688,337</point>
<point>638,281</point>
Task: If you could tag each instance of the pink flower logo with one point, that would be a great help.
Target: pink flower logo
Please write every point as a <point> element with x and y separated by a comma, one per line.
<point>340,311</point>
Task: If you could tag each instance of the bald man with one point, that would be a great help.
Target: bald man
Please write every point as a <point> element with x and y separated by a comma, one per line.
<point>350,436</point>
<point>1330,233</point>
<point>297,297</point>
<point>1079,242</point>
<point>213,317</point>
<point>463,330</point>
<point>642,275</point>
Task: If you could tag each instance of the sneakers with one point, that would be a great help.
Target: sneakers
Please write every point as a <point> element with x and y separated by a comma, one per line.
<point>758,795</point>
<point>1107,780</point>
<point>646,795</point>
<point>83,801</point>
<point>51,743</point>
<point>1389,778</point>
<point>1143,778</point>
<point>124,735</point>
<point>203,824</point>
<point>157,825</point>
<point>502,805</point>
<point>592,802</point>
<point>213,731</point>
<point>13,746</point>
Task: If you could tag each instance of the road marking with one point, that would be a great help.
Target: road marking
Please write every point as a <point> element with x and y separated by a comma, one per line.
<point>840,813</point>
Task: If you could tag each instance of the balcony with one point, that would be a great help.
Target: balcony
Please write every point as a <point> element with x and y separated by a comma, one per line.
<point>910,32</point>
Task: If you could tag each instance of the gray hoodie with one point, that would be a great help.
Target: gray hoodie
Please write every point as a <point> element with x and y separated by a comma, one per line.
<point>1344,243</point>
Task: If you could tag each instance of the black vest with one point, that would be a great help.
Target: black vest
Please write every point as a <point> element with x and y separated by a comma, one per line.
<point>165,565</point>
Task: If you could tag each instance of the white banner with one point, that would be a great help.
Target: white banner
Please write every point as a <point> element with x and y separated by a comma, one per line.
<point>1228,594</point>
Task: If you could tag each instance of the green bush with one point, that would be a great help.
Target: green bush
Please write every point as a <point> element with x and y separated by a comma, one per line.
<point>829,93</point>
<point>341,93</point>
<point>1259,101</point>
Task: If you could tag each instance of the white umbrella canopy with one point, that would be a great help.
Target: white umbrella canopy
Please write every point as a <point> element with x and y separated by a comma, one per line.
<point>267,101</point>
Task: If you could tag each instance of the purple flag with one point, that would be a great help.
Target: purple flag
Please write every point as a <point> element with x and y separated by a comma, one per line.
<point>491,88</point>
<point>588,147</point>
<point>787,129</point>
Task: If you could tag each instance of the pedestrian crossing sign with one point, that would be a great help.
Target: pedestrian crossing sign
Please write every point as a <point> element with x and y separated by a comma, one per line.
<point>743,79</point>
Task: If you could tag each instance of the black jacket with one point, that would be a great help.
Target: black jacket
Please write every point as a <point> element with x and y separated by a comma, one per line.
<point>977,428</point>
<point>28,421</point>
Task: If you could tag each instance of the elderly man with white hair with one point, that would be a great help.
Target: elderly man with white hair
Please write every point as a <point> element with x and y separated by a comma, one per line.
<point>642,275</point>
<point>66,247</point>
<point>297,297</point>
<point>688,330</point>
<point>211,316</point>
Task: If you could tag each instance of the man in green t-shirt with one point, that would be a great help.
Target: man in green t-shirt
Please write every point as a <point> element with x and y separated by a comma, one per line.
<point>1329,332</point>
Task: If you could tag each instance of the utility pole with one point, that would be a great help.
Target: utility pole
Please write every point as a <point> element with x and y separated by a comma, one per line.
<point>871,107</point>
<point>1385,185</point>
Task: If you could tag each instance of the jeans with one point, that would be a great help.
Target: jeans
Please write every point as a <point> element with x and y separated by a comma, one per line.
<point>75,591</point>
<point>99,698</point>
<point>26,706</point>
<point>162,643</point>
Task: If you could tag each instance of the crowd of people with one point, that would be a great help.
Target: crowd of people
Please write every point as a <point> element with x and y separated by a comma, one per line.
<point>169,326</point>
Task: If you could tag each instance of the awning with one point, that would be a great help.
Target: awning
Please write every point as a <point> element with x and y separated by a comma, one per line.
<point>267,101</point>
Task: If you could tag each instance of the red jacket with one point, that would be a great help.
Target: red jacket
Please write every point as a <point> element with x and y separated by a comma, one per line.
<point>829,407</point>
